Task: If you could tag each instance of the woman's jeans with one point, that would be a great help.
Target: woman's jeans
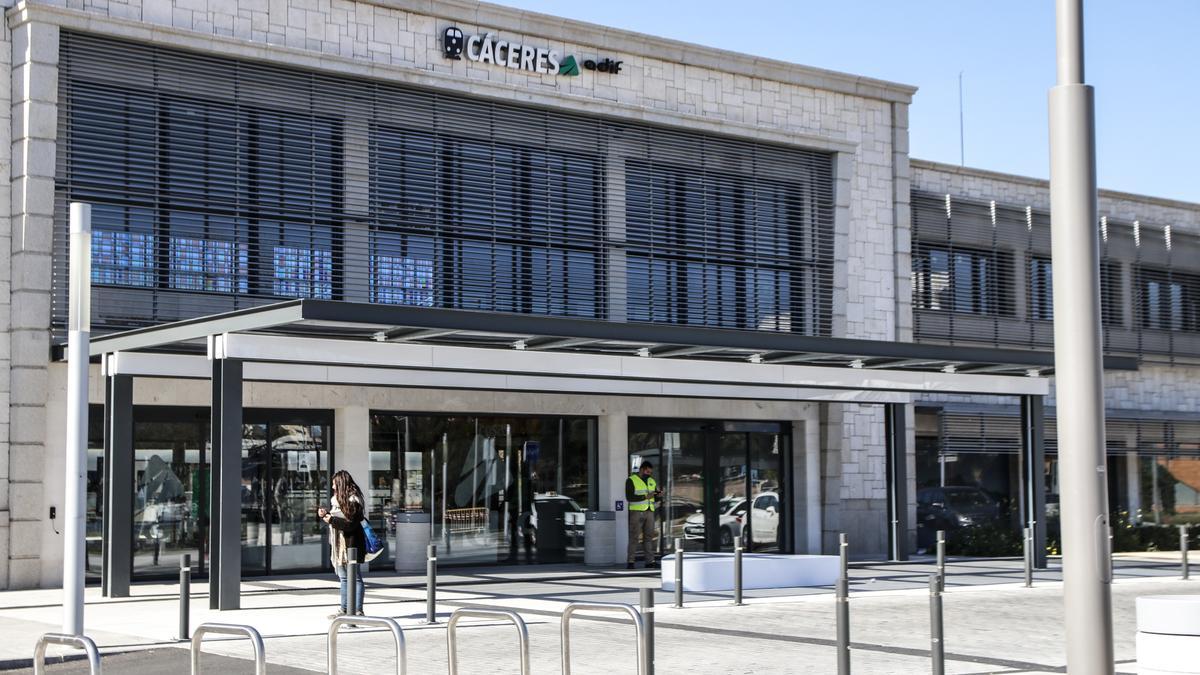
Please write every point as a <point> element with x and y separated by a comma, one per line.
<point>342,573</point>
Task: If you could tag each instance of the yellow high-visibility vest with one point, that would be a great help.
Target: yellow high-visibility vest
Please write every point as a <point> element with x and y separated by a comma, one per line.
<point>645,490</point>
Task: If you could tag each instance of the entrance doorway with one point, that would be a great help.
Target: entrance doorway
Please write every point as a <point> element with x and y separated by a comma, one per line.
<point>721,482</point>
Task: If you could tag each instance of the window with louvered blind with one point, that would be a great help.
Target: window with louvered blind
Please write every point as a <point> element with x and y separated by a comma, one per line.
<point>219,184</point>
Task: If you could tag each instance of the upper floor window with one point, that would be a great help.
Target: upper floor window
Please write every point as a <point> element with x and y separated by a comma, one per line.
<point>1168,300</point>
<point>726,251</point>
<point>1041,291</point>
<point>962,280</point>
<point>123,246</point>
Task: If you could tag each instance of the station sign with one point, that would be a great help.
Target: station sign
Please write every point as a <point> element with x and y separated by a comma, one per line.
<point>487,48</point>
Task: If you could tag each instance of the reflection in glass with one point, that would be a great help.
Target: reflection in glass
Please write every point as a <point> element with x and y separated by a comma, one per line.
<point>500,489</point>
<point>168,483</point>
<point>299,484</point>
<point>767,518</point>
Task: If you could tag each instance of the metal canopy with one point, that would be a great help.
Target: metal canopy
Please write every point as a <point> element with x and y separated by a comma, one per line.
<point>452,327</point>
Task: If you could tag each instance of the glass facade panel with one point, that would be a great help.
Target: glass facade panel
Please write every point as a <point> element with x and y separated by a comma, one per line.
<point>722,482</point>
<point>170,478</point>
<point>499,489</point>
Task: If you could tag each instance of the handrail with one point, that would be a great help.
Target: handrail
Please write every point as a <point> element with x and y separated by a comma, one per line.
<point>81,641</point>
<point>256,641</point>
<point>464,612</point>
<point>639,626</point>
<point>382,622</point>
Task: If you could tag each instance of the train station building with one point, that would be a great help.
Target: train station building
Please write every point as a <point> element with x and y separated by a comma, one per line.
<point>489,260</point>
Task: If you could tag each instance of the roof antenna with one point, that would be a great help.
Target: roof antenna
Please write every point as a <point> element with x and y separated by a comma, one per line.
<point>962,152</point>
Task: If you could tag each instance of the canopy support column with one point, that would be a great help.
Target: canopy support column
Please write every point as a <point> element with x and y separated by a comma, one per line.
<point>897,479</point>
<point>1033,450</point>
<point>118,486</point>
<point>225,501</point>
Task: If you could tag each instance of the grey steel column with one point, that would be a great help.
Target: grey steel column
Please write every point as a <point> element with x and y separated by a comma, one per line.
<point>897,480</point>
<point>1087,567</point>
<point>227,510</point>
<point>214,488</point>
<point>1033,447</point>
<point>118,485</point>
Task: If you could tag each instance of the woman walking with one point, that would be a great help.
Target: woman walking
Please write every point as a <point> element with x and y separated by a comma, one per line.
<point>345,533</point>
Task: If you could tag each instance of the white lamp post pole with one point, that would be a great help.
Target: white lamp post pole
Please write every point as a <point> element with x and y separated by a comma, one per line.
<point>1078,368</point>
<point>75,485</point>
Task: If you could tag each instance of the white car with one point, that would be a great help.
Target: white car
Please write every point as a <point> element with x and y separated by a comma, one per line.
<point>732,517</point>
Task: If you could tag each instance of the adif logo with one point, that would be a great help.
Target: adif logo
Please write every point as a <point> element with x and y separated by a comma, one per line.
<point>569,67</point>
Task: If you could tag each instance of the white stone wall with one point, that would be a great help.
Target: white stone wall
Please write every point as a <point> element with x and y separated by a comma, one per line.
<point>6,171</point>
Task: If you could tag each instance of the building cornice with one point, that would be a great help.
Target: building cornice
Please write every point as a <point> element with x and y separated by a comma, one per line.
<point>1043,184</point>
<point>170,36</point>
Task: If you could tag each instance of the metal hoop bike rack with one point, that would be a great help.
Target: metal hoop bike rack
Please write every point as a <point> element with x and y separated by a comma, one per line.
<point>468,612</point>
<point>79,641</point>
<point>256,641</point>
<point>380,621</point>
<point>639,626</point>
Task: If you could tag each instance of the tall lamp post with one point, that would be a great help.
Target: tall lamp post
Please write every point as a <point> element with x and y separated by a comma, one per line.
<point>1079,372</point>
<point>75,485</point>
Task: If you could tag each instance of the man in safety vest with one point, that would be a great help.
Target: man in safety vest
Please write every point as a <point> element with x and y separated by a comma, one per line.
<point>640,492</point>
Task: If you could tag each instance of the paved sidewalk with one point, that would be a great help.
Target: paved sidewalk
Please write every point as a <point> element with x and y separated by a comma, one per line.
<point>993,624</point>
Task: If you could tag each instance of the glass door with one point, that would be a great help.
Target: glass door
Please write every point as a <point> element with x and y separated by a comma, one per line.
<point>285,478</point>
<point>721,481</point>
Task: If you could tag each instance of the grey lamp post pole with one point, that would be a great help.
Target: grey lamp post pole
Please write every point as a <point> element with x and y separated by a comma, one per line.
<point>1079,375</point>
<point>75,466</point>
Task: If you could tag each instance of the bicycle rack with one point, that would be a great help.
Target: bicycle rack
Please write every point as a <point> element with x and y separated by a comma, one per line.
<point>380,621</point>
<point>256,641</point>
<point>81,641</point>
<point>639,626</point>
<point>464,612</point>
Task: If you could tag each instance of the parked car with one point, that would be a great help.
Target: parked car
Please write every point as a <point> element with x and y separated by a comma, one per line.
<point>951,508</point>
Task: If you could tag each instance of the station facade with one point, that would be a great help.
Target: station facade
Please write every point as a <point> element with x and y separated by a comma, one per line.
<point>471,167</point>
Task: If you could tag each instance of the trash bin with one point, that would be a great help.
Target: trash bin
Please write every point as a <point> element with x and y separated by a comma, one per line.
<point>551,533</point>
<point>410,537</point>
<point>600,538</point>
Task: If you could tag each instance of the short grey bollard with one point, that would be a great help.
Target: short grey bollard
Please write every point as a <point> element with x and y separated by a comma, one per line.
<point>185,596</point>
<point>256,641</point>
<point>1183,552</point>
<point>431,584</point>
<point>352,607</point>
<point>331,667</point>
<point>79,641</point>
<point>941,557</point>
<point>647,602</point>
<point>843,607</point>
<point>678,573</point>
<point>937,647</point>
<point>737,575</point>
<point>1027,547</point>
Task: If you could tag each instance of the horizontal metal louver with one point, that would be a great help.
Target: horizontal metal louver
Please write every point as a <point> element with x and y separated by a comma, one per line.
<point>999,431</point>
<point>982,274</point>
<point>220,184</point>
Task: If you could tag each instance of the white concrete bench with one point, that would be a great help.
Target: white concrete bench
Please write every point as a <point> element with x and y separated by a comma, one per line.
<point>1168,639</point>
<point>714,571</point>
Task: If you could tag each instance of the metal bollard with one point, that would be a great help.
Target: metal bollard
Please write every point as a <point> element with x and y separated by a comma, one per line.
<point>941,557</point>
<point>843,608</point>
<point>431,584</point>
<point>185,596</point>
<point>647,598</point>
<point>737,575</point>
<point>1183,552</point>
<point>1027,547</point>
<point>352,607</point>
<point>937,647</point>
<point>678,573</point>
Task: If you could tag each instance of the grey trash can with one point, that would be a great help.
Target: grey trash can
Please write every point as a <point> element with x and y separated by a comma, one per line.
<point>600,538</point>
<point>409,541</point>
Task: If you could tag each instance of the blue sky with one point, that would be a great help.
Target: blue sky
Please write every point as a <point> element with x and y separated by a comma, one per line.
<point>1143,57</point>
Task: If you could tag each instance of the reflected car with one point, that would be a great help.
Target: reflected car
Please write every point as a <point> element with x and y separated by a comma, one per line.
<point>732,517</point>
<point>954,507</point>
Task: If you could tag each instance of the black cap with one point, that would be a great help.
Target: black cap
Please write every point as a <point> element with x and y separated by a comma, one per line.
<point>645,464</point>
